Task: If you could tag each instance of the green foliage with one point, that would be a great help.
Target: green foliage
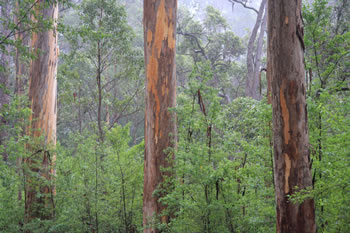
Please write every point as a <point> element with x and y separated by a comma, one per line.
<point>327,56</point>
<point>223,166</point>
<point>210,40</point>
<point>100,35</point>
<point>214,20</point>
<point>329,124</point>
<point>100,193</point>
<point>18,20</point>
<point>11,209</point>
<point>223,178</point>
<point>11,179</point>
<point>327,48</point>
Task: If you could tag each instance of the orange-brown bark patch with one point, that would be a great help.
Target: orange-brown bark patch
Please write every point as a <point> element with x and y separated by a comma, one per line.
<point>163,31</point>
<point>164,28</point>
<point>161,27</point>
<point>149,37</point>
<point>285,115</point>
<point>171,34</point>
<point>288,164</point>
<point>164,219</point>
<point>152,78</point>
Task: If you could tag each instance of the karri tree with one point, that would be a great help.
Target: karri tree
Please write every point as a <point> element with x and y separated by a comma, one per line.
<point>159,45</point>
<point>254,48</point>
<point>291,142</point>
<point>39,188</point>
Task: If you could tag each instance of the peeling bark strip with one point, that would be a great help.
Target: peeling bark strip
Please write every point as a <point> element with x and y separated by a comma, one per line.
<point>291,153</point>
<point>42,96</point>
<point>159,44</point>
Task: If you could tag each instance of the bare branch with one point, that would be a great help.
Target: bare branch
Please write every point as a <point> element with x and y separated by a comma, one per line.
<point>244,4</point>
<point>197,42</point>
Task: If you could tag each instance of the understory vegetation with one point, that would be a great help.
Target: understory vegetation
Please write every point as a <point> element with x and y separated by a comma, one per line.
<point>223,179</point>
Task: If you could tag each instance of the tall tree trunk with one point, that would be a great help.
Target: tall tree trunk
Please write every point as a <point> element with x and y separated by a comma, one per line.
<point>4,75</point>
<point>256,82</point>
<point>291,153</point>
<point>40,190</point>
<point>159,44</point>
<point>99,88</point>
<point>251,66</point>
<point>269,80</point>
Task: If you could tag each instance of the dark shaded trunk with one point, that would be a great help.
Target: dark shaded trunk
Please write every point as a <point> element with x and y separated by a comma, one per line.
<point>99,89</point>
<point>4,76</point>
<point>291,152</point>
<point>159,44</point>
<point>4,102</point>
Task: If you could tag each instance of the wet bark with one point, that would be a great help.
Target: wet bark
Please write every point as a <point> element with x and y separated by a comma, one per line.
<point>291,152</point>
<point>42,128</point>
<point>159,44</point>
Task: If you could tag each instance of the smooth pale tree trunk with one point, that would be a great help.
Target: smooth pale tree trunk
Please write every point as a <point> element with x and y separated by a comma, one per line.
<point>39,189</point>
<point>291,143</point>
<point>159,44</point>
<point>256,84</point>
<point>251,88</point>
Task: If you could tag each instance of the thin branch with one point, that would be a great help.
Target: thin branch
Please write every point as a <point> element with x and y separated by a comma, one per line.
<point>244,4</point>
<point>12,32</point>
<point>197,42</point>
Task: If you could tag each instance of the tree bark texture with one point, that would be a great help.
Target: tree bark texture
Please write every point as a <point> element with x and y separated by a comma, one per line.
<point>4,75</point>
<point>159,44</point>
<point>291,152</point>
<point>43,102</point>
<point>252,81</point>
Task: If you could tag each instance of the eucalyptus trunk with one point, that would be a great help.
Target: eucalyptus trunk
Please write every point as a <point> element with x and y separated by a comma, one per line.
<point>159,44</point>
<point>291,142</point>
<point>256,84</point>
<point>253,59</point>
<point>39,187</point>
